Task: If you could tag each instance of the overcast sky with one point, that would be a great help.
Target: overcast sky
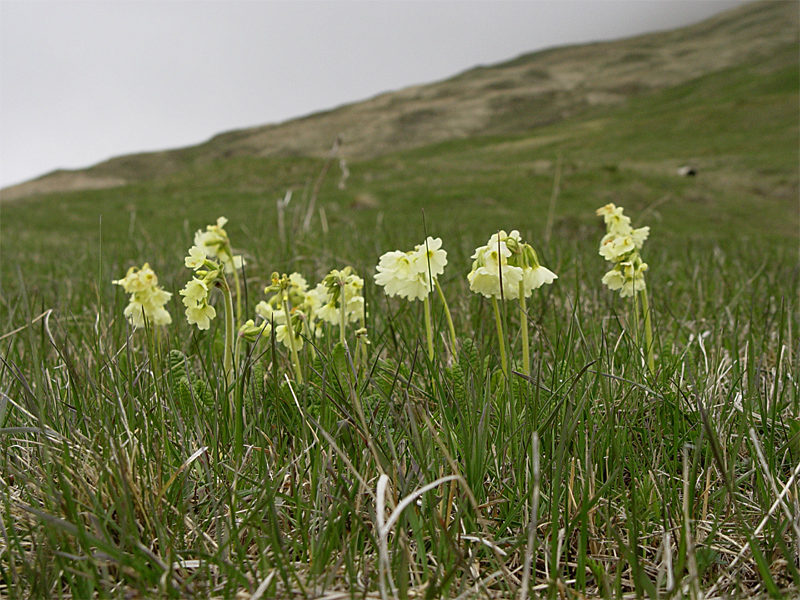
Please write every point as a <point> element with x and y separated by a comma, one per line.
<point>82,81</point>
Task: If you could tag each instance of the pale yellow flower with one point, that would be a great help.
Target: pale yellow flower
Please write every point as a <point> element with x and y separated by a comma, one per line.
<point>196,259</point>
<point>627,278</point>
<point>413,274</point>
<point>429,255</point>
<point>195,292</point>
<point>201,315</point>
<point>615,247</point>
<point>491,274</point>
<point>534,278</point>
<point>615,221</point>
<point>282,333</point>
<point>147,300</point>
<point>639,236</point>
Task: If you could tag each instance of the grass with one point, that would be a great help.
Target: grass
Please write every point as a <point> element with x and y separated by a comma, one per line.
<point>593,478</point>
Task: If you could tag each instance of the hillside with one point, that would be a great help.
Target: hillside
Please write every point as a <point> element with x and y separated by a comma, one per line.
<point>522,95</point>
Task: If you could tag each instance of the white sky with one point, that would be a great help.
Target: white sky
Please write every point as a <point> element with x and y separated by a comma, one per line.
<point>82,81</point>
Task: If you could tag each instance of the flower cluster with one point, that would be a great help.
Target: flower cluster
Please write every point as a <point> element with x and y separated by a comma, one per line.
<point>339,287</point>
<point>197,290</point>
<point>506,267</point>
<point>147,299</point>
<point>306,308</point>
<point>412,274</point>
<point>621,246</point>
<point>302,304</point>
<point>214,243</point>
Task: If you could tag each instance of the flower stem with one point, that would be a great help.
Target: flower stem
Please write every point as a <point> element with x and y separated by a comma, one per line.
<point>229,368</point>
<point>298,374</point>
<point>343,318</point>
<point>523,322</point>
<point>648,332</point>
<point>448,316</point>
<point>227,357</point>
<point>636,334</point>
<point>428,328</point>
<point>238,297</point>
<point>500,336</point>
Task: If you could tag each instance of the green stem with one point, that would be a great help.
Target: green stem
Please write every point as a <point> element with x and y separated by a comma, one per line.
<point>500,336</point>
<point>428,328</point>
<point>648,332</point>
<point>238,296</point>
<point>298,374</point>
<point>229,368</point>
<point>636,335</point>
<point>523,322</point>
<point>343,318</point>
<point>227,359</point>
<point>448,316</point>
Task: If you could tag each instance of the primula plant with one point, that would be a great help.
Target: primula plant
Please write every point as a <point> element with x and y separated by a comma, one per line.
<point>284,313</point>
<point>146,304</point>
<point>507,268</point>
<point>294,313</point>
<point>211,258</point>
<point>214,243</point>
<point>343,301</point>
<point>620,246</point>
<point>413,275</point>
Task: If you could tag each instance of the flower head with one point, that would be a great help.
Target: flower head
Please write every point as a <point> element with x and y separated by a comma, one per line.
<point>413,274</point>
<point>147,300</point>
<point>346,287</point>
<point>621,246</point>
<point>200,315</point>
<point>615,221</point>
<point>627,277</point>
<point>615,247</point>
<point>503,264</point>
<point>195,292</point>
<point>214,243</point>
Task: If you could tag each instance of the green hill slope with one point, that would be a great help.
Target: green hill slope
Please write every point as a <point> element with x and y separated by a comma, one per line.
<point>521,95</point>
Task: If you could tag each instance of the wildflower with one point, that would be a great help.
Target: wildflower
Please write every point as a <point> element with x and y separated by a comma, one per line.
<point>621,246</point>
<point>506,267</point>
<point>196,258</point>
<point>506,258</point>
<point>269,313</point>
<point>347,285</point>
<point>147,299</point>
<point>627,277</point>
<point>214,243</point>
<point>430,256</point>
<point>283,312</point>
<point>535,277</point>
<point>413,274</point>
<point>201,315</point>
<point>290,332</point>
<point>615,248</point>
<point>341,299</point>
<point>491,274</point>
<point>195,292</point>
<point>615,221</point>
<point>195,298</point>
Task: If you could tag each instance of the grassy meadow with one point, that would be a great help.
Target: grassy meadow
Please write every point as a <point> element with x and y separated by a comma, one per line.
<point>397,475</point>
